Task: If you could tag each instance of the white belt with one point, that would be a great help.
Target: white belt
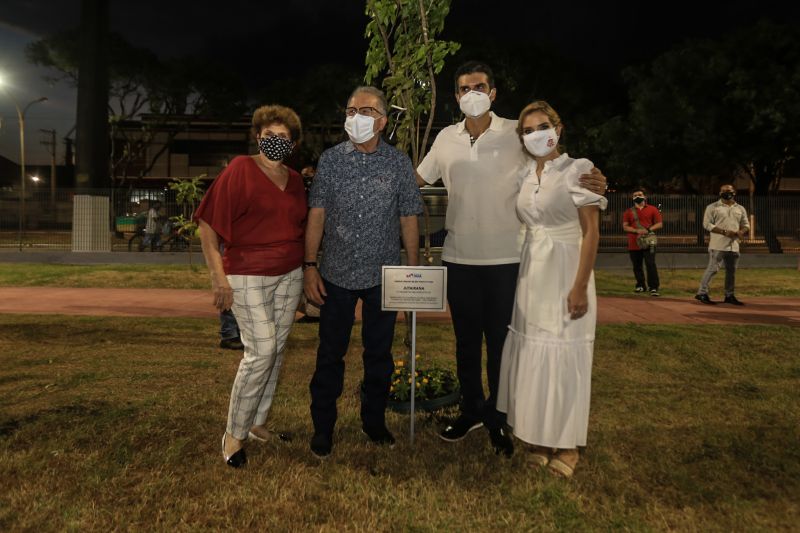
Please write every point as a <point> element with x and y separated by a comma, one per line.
<point>546,307</point>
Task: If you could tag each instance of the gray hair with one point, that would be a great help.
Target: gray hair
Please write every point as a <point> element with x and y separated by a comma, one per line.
<point>374,91</point>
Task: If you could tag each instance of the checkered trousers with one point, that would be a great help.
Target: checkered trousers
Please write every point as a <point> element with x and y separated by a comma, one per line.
<point>264,307</point>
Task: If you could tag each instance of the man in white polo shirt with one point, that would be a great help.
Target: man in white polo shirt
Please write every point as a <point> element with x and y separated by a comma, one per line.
<point>480,160</point>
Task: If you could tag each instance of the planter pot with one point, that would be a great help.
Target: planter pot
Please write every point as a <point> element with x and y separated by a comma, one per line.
<point>425,405</point>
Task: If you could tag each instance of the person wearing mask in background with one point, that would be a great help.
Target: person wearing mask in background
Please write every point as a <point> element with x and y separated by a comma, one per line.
<point>481,164</point>
<point>642,219</point>
<point>726,221</point>
<point>257,207</point>
<point>364,201</point>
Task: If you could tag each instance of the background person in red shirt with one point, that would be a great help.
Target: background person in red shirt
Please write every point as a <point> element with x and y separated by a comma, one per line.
<point>257,207</point>
<point>649,220</point>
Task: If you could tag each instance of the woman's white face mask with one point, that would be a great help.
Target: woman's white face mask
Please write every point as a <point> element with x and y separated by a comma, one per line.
<point>475,104</point>
<point>541,142</point>
<point>360,128</point>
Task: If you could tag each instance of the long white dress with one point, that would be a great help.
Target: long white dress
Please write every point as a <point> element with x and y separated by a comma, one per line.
<point>545,374</point>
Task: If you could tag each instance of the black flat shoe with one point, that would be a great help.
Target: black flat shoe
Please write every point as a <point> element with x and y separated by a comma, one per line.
<point>237,460</point>
<point>732,300</point>
<point>704,299</point>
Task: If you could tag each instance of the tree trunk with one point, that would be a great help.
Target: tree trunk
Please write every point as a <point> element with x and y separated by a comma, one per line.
<point>764,175</point>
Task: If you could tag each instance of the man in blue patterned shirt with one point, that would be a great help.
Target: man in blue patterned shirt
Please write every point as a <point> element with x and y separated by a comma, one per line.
<point>363,201</point>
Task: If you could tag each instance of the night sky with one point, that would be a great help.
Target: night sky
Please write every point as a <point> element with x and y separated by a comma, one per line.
<point>269,40</point>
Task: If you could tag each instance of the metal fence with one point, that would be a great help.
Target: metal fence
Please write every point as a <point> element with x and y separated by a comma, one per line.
<point>43,221</point>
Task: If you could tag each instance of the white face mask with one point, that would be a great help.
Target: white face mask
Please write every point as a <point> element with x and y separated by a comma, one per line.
<point>541,142</point>
<point>359,128</point>
<point>474,104</point>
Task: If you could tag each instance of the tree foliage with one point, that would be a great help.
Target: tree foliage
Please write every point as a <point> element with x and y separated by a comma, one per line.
<point>712,107</point>
<point>405,55</point>
<point>142,83</point>
<point>188,193</point>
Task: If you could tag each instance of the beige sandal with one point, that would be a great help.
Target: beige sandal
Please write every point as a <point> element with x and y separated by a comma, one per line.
<point>539,456</point>
<point>560,467</point>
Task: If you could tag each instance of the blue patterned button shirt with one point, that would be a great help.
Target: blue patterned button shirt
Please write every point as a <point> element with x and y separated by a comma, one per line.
<point>364,196</point>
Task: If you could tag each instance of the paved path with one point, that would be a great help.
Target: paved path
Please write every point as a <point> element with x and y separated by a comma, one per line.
<point>196,303</point>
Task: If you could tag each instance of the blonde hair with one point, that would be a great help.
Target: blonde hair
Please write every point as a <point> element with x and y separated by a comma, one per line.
<point>277,114</point>
<point>542,106</point>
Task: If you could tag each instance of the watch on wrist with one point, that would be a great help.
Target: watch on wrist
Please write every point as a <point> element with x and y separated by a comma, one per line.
<point>309,264</point>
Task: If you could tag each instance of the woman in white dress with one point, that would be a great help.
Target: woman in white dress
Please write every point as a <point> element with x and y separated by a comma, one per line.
<point>545,374</point>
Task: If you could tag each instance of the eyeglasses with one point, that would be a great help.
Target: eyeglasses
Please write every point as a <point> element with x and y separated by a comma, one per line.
<point>366,111</point>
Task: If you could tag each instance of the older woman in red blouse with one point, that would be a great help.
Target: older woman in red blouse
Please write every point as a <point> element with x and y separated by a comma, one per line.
<point>257,208</point>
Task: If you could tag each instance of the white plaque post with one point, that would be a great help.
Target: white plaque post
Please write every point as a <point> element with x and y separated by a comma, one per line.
<point>413,289</point>
<point>413,371</point>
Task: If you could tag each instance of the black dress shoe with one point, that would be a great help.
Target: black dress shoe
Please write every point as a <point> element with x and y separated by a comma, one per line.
<point>501,441</point>
<point>704,299</point>
<point>459,429</point>
<point>732,300</point>
<point>321,445</point>
<point>237,460</point>
<point>231,344</point>
<point>380,436</point>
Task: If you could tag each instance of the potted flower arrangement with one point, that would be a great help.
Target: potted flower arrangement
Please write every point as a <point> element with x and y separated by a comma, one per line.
<point>435,387</point>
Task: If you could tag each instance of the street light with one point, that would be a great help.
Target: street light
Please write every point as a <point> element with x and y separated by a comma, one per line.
<point>21,117</point>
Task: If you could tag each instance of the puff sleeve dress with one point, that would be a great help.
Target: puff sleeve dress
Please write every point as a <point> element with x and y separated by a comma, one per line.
<point>545,374</point>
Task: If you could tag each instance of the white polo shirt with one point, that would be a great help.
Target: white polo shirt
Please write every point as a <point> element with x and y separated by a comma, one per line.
<point>482,183</point>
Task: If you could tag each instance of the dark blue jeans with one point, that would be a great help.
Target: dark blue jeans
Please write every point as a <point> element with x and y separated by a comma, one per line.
<point>481,299</point>
<point>228,328</point>
<point>377,333</point>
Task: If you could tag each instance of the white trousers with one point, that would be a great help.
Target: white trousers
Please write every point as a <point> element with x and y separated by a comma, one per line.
<point>264,307</point>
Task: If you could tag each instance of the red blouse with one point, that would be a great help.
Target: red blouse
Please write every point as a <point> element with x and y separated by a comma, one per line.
<point>261,226</point>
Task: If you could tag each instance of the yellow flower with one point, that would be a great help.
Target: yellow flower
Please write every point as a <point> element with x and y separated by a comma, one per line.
<point>417,383</point>
<point>424,380</point>
<point>399,363</point>
<point>397,371</point>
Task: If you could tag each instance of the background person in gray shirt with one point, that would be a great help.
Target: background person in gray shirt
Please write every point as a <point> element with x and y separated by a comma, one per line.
<point>727,223</point>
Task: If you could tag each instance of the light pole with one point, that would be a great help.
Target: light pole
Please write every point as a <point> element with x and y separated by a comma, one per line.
<point>21,117</point>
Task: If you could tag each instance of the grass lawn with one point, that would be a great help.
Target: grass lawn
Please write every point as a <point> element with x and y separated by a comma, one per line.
<point>115,423</point>
<point>674,282</point>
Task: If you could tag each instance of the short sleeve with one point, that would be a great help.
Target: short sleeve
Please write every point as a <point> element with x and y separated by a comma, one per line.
<point>582,197</point>
<point>627,217</point>
<point>410,199</point>
<point>222,203</point>
<point>429,168</point>
<point>656,215</point>
<point>318,196</point>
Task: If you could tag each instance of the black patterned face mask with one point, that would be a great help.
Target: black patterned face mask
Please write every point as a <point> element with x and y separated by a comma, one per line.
<point>275,148</point>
